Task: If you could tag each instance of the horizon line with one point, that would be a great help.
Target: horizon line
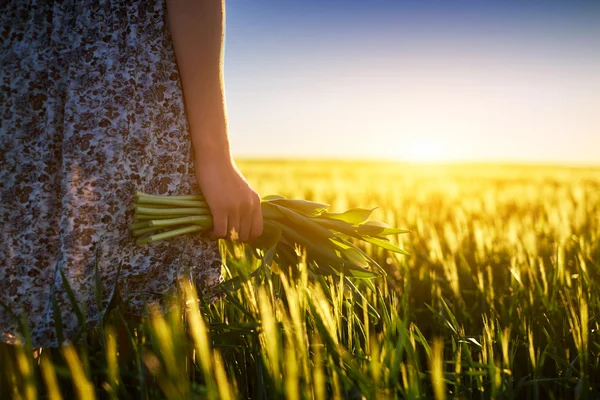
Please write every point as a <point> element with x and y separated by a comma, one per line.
<point>383,160</point>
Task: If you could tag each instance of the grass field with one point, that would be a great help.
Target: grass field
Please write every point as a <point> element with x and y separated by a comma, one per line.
<point>499,299</point>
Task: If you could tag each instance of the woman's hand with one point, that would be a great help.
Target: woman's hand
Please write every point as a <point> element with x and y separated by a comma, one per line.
<point>234,205</point>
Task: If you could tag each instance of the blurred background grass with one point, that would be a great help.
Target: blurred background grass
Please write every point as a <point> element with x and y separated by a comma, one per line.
<point>499,299</point>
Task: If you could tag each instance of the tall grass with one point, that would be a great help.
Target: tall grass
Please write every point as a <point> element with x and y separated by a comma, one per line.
<point>500,299</point>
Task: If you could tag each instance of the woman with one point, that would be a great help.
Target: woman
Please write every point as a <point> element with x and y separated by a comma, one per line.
<point>92,96</point>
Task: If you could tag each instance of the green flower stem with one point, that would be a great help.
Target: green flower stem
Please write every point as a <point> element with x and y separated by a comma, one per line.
<point>168,202</point>
<point>143,231</point>
<point>152,205</point>
<point>143,217</point>
<point>205,221</point>
<point>170,234</point>
<point>141,195</point>
<point>139,225</point>
<point>172,211</point>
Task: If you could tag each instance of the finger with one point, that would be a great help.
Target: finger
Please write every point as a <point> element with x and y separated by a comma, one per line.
<point>257,222</point>
<point>245,226</point>
<point>220,222</point>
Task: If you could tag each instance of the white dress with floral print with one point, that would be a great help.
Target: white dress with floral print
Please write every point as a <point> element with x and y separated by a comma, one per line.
<point>91,111</point>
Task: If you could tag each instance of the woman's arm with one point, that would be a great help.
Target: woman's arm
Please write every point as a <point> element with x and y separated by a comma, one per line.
<point>197,29</point>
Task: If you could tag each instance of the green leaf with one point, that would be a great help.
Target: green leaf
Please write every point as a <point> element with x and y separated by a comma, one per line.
<point>369,283</point>
<point>355,257</point>
<point>286,255</point>
<point>360,273</point>
<point>306,207</point>
<point>365,255</point>
<point>308,225</point>
<point>291,234</point>
<point>230,285</point>
<point>23,326</point>
<point>58,321</point>
<point>341,244</point>
<point>322,266</point>
<point>72,298</point>
<point>328,255</point>
<point>377,228</point>
<point>339,226</point>
<point>270,211</point>
<point>269,255</point>
<point>359,264</point>
<point>353,216</point>
<point>323,252</point>
<point>113,298</point>
<point>272,197</point>
<point>233,284</point>
<point>98,283</point>
<point>386,245</point>
<point>271,236</point>
<point>326,262</point>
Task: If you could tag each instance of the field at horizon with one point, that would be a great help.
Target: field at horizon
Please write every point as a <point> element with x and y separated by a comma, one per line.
<point>535,164</point>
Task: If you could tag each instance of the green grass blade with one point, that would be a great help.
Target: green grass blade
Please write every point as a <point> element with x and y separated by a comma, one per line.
<point>73,300</point>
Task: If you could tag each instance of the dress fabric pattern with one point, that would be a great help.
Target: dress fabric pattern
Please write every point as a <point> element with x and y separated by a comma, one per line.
<point>91,111</point>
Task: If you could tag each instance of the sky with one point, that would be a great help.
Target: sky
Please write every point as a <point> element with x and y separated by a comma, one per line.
<point>420,80</point>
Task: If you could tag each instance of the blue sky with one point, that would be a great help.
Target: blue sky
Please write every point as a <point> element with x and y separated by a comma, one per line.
<point>415,80</point>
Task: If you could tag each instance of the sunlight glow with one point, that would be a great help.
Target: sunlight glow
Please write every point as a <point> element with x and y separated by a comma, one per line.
<point>424,150</point>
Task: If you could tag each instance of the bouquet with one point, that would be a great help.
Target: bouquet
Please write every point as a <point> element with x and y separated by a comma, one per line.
<point>329,238</point>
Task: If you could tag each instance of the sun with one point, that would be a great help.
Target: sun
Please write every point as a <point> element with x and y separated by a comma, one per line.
<point>424,150</point>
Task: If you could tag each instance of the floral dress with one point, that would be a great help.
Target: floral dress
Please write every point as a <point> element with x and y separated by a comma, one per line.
<point>91,111</point>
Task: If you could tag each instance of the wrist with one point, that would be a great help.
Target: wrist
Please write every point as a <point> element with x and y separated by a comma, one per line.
<point>210,141</point>
<point>211,150</point>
